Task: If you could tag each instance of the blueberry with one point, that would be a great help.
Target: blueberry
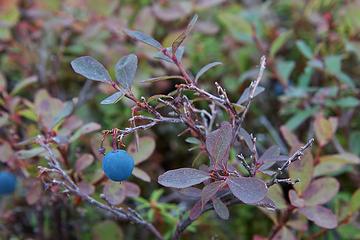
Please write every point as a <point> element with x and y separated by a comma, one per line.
<point>118,165</point>
<point>7,183</point>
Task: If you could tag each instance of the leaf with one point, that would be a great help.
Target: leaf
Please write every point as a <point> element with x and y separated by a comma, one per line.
<point>137,172</point>
<point>114,193</point>
<point>91,69</point>
<point>195,211</point>
<point>108,230</point>
<point>348,102</point>
<point>284,69</point>
<point>284,234</point>
<point>126,69</point>
<point>321,191</point>
<point>191,192</point>
<point>247,189</point>
<point>299,118</point>
<point>247,138</point>
<point>33,191</point>
<point>143,37</point>
<point>86,188</point>
<point>113,98</point>
<point>180,39</point>
<point>6,152</point>
<point>270,153</point>
<point>87,128</point>
<point>210,190</point>
<point>302,170</point>
<point>26,154</point>
<point>220,208</point>
<point>304,49</point>
<point>279,42</point>
<point>64,112</point>
<point>162,56</point>
<point>246,94</point>
<point>205,68</point>
<point>146,148</point>
<point>354,142</point>
<point>295,200</point>
<point>24,84</point>
<point>323,130</point>
<point>155,79</point>
<point>321,216</point>
<point>182,177</point>
<point>131,189</point>
<point>355,202</point>
<point>330,164</point>
<point>276,194</point>
<point>218,144</point>
<point>83,162</point>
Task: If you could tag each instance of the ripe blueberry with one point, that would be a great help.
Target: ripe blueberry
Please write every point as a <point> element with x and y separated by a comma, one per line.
<point>118,165</point>
<point>7,183</point>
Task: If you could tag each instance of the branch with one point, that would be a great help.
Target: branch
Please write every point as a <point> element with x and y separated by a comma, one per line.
<point>296,156</point>
<point>120,213</point>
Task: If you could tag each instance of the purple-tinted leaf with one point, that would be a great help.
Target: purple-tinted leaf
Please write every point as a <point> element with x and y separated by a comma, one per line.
<point>218,144</point>
<point>210,190</point>
<point>321,191</point>
<point>247,138</point>
<point>266,203</point>
<point>114,193</point>
<point>220,208</point>
<point>321,216</point>
<point>171,11</point>
<point>125,70</point>
<point>137,172</point>
<point>247,189</point>
<point>295,200</point>
<point>83,162</point>
<point>269,154</point>
<point>113,98</point>
<point>196,210</point>
<point>33,190</point>
<point>246,94</point>
<point>131,189</point>
<point>86,188</point>
<point>205,68</point>
<point>91,69</point>
<point>180,39</point>
<point>182,177</point>
<point>191,192</point>
<point>143,37</point>
<point>147,146</point>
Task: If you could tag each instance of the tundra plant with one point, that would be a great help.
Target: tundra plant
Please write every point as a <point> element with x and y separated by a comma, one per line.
<point>215,125</point>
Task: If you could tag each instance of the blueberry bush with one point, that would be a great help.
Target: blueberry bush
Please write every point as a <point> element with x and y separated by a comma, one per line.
<point>201,119</point>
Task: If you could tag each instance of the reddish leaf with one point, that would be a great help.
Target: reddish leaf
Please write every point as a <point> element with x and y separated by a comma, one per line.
<point>137,172</point>
<point>266,203</point>
<point>191,192</point>
<point>210,190</point>
<point>218,144</point>
<point>295,200</point>
<point>196,210</point>
<point>34,191</point>
<point>87,128</point>
<point>180,39</point>
<point>269,154</point>
<point>247,189</point>
<point>321,216</point>
<point>86,188</point>
<point>182,177</point>
<point>146,148</point>
<point>247,138</point>
<point>114,193</point>
<point>83,162</point>
<point>131,189</point>
<point>321,191</point>
<point>220,208</point>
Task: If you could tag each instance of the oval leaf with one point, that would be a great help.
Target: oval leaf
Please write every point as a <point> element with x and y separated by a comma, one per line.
<point>220,208</point>
<point>83,162</point>
<point>246,94</point>
<point>146,148</point>
<point>218,144</point>
<point>137,172</point>
<point>125,70</point>
<point>91,69</point>
<point>114,193</point>
<point>114,98</point>
<point>321,191</point>
<point>182,177</point>
<point>321,216</point>
<point>210,190</point>
<point>247,189</point>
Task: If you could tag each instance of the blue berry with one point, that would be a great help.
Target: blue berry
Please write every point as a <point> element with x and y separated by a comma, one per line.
<point>118,165</point>
<point>7,183</point>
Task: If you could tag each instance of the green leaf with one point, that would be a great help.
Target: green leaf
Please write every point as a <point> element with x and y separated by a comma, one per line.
<point>355,202</point>
<point>284,69</point>
<point>114,98</point>
<point>91,69</point>
<point>354,142</point>
<point>180,39</point>
<point>205,69</point>
<point>65,112</point>
<point>107,230</point>
<point>304,49</point>
<point>301,116</point>
<point>279,42</point>
<point>347,102</point>
<point>126,69</point>
<point>26,154</point>
<point>330,164</point>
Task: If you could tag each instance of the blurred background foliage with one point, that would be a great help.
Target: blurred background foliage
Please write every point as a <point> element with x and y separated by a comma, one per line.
<point>312,89</point>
